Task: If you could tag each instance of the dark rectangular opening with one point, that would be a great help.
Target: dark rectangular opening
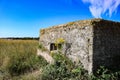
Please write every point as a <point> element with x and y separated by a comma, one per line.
<point>53,46</point>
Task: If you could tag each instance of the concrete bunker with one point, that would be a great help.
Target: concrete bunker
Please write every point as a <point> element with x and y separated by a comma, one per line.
<point>94,42</point>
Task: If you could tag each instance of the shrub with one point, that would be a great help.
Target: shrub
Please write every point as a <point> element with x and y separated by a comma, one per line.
<point>59,42</point>
<point>26,63</point>
<point>63,69</point>
<point>105,74</point>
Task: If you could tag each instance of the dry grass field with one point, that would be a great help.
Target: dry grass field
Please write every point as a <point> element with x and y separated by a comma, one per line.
<point>9,48</point>
<point>18,57</point>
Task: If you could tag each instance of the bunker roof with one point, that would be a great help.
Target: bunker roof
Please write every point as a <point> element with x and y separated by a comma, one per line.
<point>80,23</point>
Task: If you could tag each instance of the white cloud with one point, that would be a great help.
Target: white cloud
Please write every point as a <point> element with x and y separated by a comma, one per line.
<point>99,7</point>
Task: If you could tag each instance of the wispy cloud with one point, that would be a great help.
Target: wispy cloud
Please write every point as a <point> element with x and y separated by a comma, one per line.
<point>100,7</point>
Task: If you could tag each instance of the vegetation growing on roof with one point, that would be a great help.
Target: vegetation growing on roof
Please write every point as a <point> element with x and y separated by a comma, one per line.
<point>42,31</point>
<point>70,23</point>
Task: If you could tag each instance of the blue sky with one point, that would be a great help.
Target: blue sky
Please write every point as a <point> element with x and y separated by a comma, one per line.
<point>25,18</point>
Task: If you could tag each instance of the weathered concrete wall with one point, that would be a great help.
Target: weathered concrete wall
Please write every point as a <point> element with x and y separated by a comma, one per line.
<point>106,45</point>
<point>94,42</point>
<point>78,34</point>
